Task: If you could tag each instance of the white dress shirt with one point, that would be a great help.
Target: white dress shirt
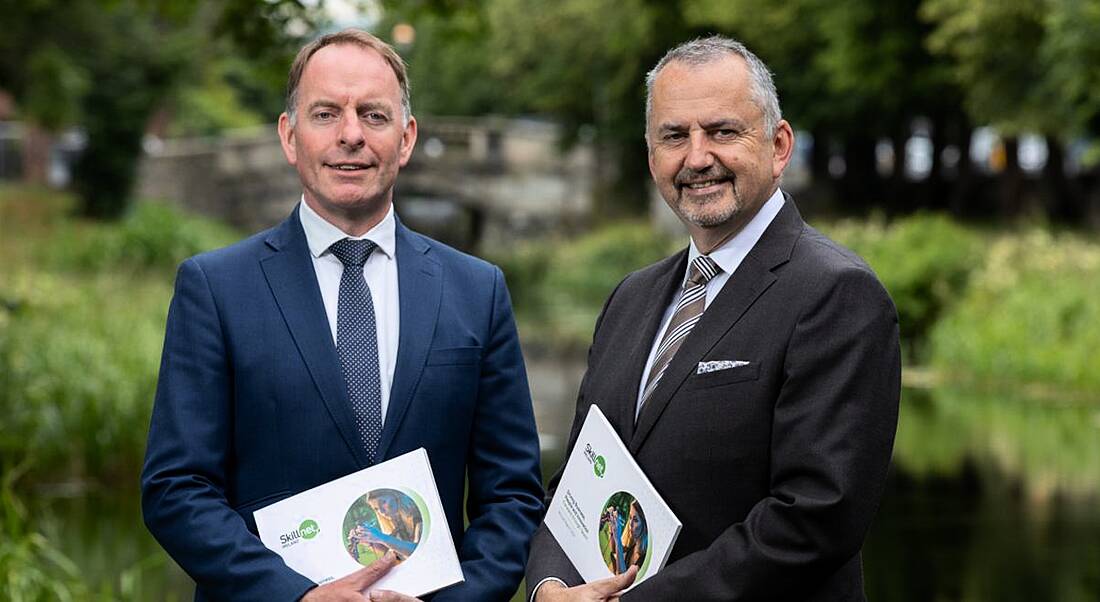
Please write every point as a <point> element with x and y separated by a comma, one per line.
<point>728,257</point>
<point>380,272</point>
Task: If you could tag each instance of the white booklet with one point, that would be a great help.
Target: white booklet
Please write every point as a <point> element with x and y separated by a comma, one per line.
<point>605,514</point>
<point>348,523</point>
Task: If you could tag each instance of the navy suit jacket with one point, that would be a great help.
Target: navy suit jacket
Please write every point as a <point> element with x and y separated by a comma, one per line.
<point>251,408</point>
<point>774,467</point>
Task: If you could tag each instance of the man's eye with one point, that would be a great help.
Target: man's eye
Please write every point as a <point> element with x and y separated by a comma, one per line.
<point>725,133</point>
<point>674,136</point>
<point>324,115</point>
<point>376,117</point>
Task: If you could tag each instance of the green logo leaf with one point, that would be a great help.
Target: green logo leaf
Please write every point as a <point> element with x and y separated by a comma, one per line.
<point>600,466</point>
<point>309,529</point>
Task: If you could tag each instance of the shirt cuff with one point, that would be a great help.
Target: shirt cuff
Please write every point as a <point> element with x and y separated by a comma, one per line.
<point>535,591</point>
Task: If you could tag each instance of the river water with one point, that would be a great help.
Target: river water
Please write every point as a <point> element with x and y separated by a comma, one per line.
<point>992,497</point>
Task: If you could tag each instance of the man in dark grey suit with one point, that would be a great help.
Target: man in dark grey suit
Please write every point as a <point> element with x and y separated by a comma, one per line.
<point>755,376</point>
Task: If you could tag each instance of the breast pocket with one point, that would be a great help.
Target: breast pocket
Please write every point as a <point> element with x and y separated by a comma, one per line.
<point>454,356</point>
<point>728,376</point>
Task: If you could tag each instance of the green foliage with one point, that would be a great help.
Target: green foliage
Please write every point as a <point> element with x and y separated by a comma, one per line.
<point>115,63</point>
<point>80,335</point>
<point>558,286</point>
<point>79,362</point>
<point>1031,315</point>
<point>31,568</point>
<point>152,235</point>
<point>924,261</point>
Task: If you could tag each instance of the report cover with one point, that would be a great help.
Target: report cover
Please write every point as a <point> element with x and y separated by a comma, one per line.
<point>346,524</point>
<point>605,513</point>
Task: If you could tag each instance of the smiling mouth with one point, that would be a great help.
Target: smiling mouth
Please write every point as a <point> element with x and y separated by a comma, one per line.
<point>704,187</point>
<point>347,167</point>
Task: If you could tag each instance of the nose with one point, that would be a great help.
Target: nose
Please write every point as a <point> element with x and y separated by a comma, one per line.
<point>699,156</point>
<point>351,131</point>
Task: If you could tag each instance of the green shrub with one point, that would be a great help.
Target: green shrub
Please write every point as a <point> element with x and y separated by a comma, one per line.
<point>924,261</point>
<point>558,286</point>
<point>151,235</point>
<point>1030,315</point>
<point>78,365</point>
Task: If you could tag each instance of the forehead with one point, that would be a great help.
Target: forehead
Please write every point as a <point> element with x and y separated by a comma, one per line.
<point>716,89</point>
<point>342,70</point>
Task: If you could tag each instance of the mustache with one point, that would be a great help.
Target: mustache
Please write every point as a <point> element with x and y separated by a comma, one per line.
<point>714,172</point>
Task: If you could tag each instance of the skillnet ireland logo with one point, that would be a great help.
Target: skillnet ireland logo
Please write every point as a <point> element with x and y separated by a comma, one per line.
<point>307,530</point>
<point>599,465</point>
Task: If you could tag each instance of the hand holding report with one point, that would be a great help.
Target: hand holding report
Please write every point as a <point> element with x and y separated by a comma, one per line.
<point>605,514</point>
<point>344,525</point>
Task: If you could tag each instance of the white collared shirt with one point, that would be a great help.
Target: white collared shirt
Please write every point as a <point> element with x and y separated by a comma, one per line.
<point>728,257</point>
<point>380,272</point>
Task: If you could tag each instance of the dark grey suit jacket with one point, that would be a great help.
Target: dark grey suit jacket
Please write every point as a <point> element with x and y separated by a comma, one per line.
<point>775,468</point>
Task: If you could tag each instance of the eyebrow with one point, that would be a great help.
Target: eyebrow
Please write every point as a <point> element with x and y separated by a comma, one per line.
<point>364,106</point>
<point>720,124</point>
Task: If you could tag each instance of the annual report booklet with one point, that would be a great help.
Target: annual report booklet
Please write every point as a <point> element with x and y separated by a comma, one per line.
<point>605,514</point>
<point>348,523</point>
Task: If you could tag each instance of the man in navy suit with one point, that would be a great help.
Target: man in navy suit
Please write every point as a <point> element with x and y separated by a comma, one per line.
<point>261,396</point>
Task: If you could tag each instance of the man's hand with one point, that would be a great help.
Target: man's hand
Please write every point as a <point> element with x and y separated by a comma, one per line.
<point>598,591</point>
<point>350,588</point>
<point>388,596</point>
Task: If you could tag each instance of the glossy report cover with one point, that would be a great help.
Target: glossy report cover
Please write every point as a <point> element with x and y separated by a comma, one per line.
<point>346,524</point>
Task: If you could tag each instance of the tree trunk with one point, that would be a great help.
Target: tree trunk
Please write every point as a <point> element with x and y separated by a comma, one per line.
<point>1011,185</point>
<point>1065,201</point>
<point>861,185</point>
<point>36,154</point>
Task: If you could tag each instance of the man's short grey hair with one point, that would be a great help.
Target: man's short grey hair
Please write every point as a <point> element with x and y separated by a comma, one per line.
<point>706,50</point>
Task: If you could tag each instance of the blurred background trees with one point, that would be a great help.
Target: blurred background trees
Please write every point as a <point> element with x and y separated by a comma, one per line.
<point>120,68</point>
<point>861,77</point>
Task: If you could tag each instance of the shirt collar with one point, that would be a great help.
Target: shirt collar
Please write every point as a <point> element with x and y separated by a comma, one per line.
<point>320,234</point>
<point>732,252</point>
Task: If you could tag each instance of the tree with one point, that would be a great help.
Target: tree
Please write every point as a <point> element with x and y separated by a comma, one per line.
<point>110,64</point>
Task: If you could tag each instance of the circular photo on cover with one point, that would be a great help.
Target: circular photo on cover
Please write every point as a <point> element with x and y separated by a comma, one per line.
<point>382,520</point>
<point>624,534</point>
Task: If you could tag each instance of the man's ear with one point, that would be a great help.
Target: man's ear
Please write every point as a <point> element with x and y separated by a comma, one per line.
<point>408,141</point>
<point>783,147</point>
<point>286,139</point>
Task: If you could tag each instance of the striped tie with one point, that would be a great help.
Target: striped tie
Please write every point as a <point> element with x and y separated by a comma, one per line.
<point>688,311</point>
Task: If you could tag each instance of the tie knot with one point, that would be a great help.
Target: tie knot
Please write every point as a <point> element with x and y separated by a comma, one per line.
<point>352,252</point>
<point>702,269</point>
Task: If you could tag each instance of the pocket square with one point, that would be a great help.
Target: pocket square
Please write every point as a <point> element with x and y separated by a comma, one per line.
<point>705,367</point>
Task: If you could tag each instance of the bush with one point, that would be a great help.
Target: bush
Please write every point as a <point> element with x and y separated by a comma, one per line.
<point>78,366</point>
<point>924,261</point>
<point>1031,314</point>
<point>152,235</point>
<point>558,286</point>
<point>82,312</point>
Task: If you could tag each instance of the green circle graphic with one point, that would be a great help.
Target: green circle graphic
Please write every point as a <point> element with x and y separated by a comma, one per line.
<point>599,466</point>
<point>309,529</point>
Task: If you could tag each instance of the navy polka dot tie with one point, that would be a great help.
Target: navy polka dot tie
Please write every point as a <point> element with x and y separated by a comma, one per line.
<point>357,341</point>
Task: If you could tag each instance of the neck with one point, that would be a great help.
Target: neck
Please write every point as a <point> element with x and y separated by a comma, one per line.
<point>709,239</point>
<point>353,221</point>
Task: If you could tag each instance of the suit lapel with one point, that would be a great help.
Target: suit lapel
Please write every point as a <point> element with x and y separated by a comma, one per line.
<point>746,284</point>
<point>640,342</point>
<point>293,281</point>
<point>420,288</point>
